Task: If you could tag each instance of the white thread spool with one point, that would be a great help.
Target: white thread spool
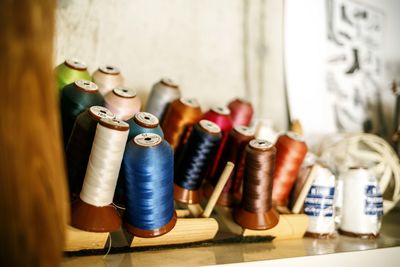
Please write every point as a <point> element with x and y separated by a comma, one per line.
<point>107,78</point>
<point>123,102</point>
<point>362,204</point>
<point>319,204</point>
<point>104,162</point>
<point>162,94</point>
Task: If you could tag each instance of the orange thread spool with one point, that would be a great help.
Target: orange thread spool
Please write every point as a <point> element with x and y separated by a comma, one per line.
<point>179,118</point>
<point>291,151</point>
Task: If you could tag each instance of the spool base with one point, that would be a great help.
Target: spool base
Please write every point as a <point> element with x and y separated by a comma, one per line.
<point>152,233</point>
<point>320,235</point>
<point>94,219</point>
<point>358,235</point>
<point>256,221</point>
<point>185,195</point>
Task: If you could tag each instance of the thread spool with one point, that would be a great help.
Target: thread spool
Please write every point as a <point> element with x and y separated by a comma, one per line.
<point>236,144</point>
<point>70,71</point>
<point>76,98</point>
<point>194,161</point>
<point>319,206</point>
<point>179,118</point>
<point>80,145</point>
<point>255,211</point>
<point>144,122</point>
<point>241,111</point>
<point>362,207</point>
<point>162,94</point>
<point>148,165</point>
<point>93,210</point>
<point>291,151</point>
<point>220,116</point>
<point>123,102</point>
<point>107,78</point>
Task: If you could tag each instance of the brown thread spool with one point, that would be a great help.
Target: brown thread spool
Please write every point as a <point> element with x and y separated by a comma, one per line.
<point>234,151</point>
<point>256,211</point>
<point>179,118</point>
<point>291,151</point>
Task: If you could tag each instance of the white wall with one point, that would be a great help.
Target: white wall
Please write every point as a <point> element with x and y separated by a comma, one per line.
<point>216,50</point>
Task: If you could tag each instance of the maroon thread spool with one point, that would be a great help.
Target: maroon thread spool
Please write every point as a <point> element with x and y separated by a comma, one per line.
<point>241,112</point>
<point>234,150</point>
<point>255,211</point>
<point>291,151</point>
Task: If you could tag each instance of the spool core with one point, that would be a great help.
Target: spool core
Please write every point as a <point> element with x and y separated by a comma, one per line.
<point>146,120</point>
<point>99,112</point>
<point>108,69</point>
<point>191,102</point>
<point>169,82</point>
<point>86,86</point>
<point>244,130</point>
<point>75,64</point>
<point>221,110</point>
<point>124,92</point>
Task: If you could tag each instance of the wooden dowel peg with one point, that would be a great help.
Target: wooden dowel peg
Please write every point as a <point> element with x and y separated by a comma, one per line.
<point>218,189</point>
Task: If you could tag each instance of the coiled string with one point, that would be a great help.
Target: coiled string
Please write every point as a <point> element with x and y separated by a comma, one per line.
<point>70,71</point>
<point>220,116</point>
<point>259,170</point>
<point>162,94</point>
<point>291,151</point>
<point>197,155</point>
<point>234,150</point>
<point>104,162</point>
<point>241,112</point>
<point>123,102</point>
<point>80,145</point>
<point>76,98</point>
<point>179,118</point>
<point>107,78</point>
<point>148,166</point>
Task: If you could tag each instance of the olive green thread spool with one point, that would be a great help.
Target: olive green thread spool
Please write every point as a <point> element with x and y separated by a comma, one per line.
<point>71,70</point>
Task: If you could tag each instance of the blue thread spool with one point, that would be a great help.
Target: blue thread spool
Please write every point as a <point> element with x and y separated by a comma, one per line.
<point>144,122</point>
<point>148,168</point>
<point>198,153</point>
<point>76,97</point>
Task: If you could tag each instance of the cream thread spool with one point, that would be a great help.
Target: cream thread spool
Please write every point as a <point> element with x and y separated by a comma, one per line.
<point>93,211</point>
<point>162,94</point>
<point>362,204</point>
<point>107,78</point>
<point>123,102</point>
<point>319,204</point>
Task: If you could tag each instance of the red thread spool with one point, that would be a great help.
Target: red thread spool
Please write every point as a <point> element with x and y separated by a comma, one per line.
<point>241,112</point>
<point>256,211</point>
<point>179,118</point>
<point>291,151</point>
<point>234,150</point>
<point>220,116</point>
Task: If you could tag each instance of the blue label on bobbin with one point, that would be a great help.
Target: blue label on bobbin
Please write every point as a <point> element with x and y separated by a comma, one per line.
<point>319,201</point>
<point>373,201</point>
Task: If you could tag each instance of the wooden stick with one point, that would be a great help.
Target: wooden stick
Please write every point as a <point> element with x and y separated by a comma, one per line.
<point>218,189</point>
<point>195,209</point>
